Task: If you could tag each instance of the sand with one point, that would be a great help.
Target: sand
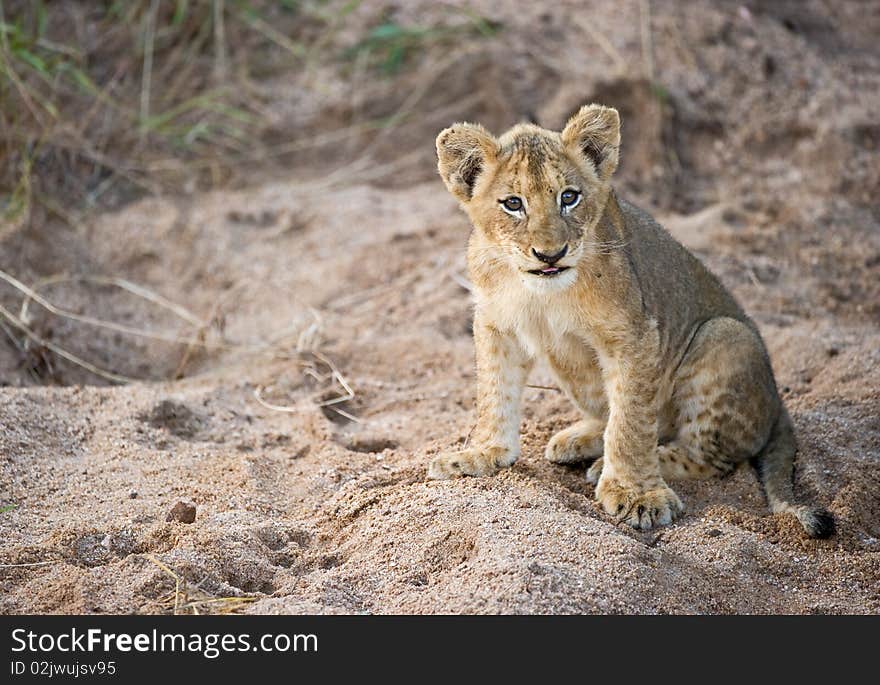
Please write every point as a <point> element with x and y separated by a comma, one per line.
<point>759,153</point>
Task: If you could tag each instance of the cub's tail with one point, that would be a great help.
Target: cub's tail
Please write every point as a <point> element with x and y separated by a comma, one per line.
<point>775,467</point>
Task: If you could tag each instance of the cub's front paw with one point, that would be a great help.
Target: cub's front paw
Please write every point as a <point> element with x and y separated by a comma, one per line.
<point>639,508</point>
<point>474,461</point>
<point>576,443</point>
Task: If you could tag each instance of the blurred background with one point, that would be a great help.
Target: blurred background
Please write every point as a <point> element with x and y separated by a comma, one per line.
<point>235,320</point>
<point>764,111</point>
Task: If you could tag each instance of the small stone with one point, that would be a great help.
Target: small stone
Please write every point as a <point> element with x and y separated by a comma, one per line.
<point>132,494</point>
<point>714,533</point>
<point>183,512</point>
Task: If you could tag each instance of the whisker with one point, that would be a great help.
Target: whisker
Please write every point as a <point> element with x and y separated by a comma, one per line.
<point>605,246</point>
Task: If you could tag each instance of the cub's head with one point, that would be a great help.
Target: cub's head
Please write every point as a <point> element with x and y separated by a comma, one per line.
<point>534,194</point>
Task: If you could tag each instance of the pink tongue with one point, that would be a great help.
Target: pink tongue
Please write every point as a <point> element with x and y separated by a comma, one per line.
<point>551,270</point>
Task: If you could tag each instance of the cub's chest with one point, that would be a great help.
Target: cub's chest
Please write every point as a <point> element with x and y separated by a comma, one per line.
<point>548,326</point>
<point>548,333</point>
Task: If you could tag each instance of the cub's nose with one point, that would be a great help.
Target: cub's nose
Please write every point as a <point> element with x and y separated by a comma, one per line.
<point>551,258</point>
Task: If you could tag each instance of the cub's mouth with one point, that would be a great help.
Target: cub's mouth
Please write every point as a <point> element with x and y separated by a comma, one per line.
<point>549,271</point>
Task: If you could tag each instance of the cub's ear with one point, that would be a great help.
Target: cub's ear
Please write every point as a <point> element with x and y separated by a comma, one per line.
<point>463,151</point>
<point>595,132</point>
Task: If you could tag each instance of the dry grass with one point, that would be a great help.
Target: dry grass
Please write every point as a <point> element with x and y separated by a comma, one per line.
<point>329,379</point>
<point>307,355</point>
<point>101,102</point>
<point>308,337</point>
<point>89,113</point>
<point>188,599</point>
<point>31,564</point>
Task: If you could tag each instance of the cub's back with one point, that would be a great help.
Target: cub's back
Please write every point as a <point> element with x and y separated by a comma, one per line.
<point>677,289</point>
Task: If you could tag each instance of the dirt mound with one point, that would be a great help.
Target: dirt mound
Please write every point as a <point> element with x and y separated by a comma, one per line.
<point>320,350</point>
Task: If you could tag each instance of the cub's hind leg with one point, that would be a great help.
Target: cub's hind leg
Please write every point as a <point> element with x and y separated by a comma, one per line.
<point>724,402</point>
<point>727,411</point>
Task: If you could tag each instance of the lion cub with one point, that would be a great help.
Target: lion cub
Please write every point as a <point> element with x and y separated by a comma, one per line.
<point>672,378</point>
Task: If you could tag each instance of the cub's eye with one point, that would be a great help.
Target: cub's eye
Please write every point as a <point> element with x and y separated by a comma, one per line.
<point>569,198</point>
<point>512,203</point>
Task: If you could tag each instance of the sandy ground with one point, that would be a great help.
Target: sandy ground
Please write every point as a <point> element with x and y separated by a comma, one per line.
<point>760,152</point>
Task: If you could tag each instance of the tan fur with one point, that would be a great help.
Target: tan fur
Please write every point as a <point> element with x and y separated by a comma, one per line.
<point>671,376</point>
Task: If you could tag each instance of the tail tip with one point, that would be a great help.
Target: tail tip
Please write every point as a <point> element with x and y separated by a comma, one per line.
<point>818,522</point>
